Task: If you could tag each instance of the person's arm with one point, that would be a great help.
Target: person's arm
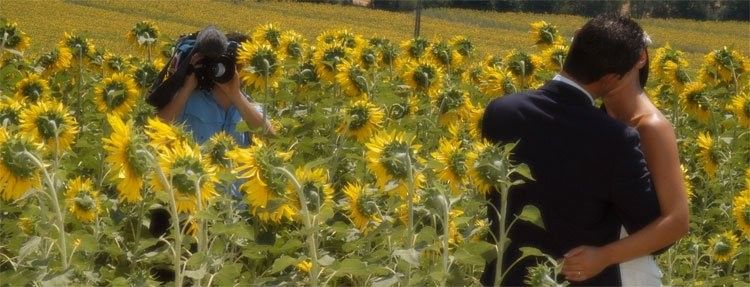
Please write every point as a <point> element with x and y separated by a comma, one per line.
<point>174,108</point>
<point>659,146</point>
<point>248,111</point>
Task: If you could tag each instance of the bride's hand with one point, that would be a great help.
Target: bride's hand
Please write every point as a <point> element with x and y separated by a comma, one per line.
<point>584,262</point>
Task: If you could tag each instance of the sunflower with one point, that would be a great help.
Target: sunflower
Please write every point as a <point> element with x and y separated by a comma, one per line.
<point>443,54</point>
<point>361,120</point>
<point>723,246</point>
<point>80,47</point>
<point>143,34</point>
<point>18,172</point>
<point>708,154</point>
<point>740,107</point>
<point>114,63</point>
<point>10,112</point>
<point>424,77</point>
<point>116,95</point>
<point>675,75</point>
<point>49,123</point>
<point>493,61</point>
<point>545,34</point>
<point>163,135</point>
<point>304,266</point>
<point>415,49</point>
<point>82,199</point>
<point>462,45</point>
<point>268,34</point>
<point>487,166</point>
<point>367,58</point>
<point>15,38</point>
<point>293,45</point>
<point>349,39</point>
<point>451,157</point>
<point>328,60</point>
<point>452,105</point>
<point>315,187</point>
<point>267,188</point>
<point>696,101</point>
<point>390,156</point>
<point>389,54</point>
<point>262,65</point>
<point>352,79</point>
<point>741,211</point>
<point>553,57</point>
<point>662,58</point>
<point>472,75</point>
<point>215,150</point>
<point>687,182</point>
<point>145,73</point>
<point>32,88</point>
<point>362,207</point>
<point>57,60</point>
<point>327,37</point>
<point>724,64</point>
<point>496,82</point>
<point>126,159</point>
<point>189,176</point>
<point>522,66</point>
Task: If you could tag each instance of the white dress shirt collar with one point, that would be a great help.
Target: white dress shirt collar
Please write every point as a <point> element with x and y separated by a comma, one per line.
<point>563,79</point>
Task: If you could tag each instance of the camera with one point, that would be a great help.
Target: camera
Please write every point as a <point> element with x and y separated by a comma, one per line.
<point>220,69</point>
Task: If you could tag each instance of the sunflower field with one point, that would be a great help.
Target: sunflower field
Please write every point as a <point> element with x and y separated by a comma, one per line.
<point>376,177</point>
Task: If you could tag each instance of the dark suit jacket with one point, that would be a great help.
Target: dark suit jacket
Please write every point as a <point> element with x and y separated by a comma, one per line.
<point>590,176</point>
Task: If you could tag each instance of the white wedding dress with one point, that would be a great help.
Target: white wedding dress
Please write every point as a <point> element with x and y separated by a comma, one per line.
<point>641,271</point>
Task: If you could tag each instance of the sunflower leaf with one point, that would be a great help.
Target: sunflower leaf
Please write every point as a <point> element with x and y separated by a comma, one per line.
<point>532,214</point>
<point>411,256</point>
<point>282,263</point>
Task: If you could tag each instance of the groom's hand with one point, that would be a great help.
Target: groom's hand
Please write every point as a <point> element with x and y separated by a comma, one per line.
<point>584,262</point>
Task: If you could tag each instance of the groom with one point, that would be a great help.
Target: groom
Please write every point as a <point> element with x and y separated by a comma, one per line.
<point>590,175</point>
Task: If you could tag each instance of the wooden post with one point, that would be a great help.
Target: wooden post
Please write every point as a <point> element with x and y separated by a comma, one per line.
<point>417,19</point>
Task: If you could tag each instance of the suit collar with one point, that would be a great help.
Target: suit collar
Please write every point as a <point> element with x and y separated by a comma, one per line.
<point>566,93</point>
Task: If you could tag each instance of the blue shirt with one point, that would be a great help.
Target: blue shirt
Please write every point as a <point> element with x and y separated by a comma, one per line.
<point>204,117</point>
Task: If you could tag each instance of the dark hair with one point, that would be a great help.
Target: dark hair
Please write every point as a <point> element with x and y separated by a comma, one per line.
<point>238,37</point>
<point>606,44</point>
<point>210,42</point>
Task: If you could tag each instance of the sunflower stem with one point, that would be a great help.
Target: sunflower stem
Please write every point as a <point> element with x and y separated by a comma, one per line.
<point>446,237</point>
<point>309,221</point>
<point>501,235</point>
<point>56,205</point>
<point>177,248</point>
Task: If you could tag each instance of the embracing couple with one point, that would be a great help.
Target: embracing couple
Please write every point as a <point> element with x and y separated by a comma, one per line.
<point>608,181</point>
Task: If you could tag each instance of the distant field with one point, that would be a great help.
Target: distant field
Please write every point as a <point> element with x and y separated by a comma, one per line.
<point>107,22</point>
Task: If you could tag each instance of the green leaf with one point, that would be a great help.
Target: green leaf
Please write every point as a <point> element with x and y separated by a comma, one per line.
<point>353,267</point>
<point>228,274</point>
<point>524,171</point>
<point>387,282</point>
<point>196,274</point>
<point>282,263</point>
<point>30,246</point>
<point>411,256</point>
<point>532,214</point>
<point>120,282</point>
<point>530,251</point>
<point>476,253</point>
<point>326,260</point>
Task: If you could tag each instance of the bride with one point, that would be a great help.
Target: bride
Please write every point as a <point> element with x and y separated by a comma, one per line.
<point>629,104</point>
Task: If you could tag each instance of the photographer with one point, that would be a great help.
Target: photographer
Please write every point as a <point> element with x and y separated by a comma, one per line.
<point>204,92</point>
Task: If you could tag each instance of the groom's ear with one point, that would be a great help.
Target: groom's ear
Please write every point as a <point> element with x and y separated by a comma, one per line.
<point>642,59</point>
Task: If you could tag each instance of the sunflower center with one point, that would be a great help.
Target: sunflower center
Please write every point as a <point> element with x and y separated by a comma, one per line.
<point>357,78</point>
<point>333,56</point>
<point>490,165</point>
<point>186,171</point>
<point>273,36</point>
<point>464,47</point>
<point>442,53</point>
<point>358,117</point>
<point>294,49</point>
<point>19,165</point>
<point>366,205</point>
<point>114,94</point>
<point>313,194</point>
<point>32,91</point>
<point>368,58</point>
<point>395,159</point>
<point>520,64</point>
<point>218,152</point>
<point>84,201</point>
<point>78,46</point>
<point>10,115</point>
<point>722,248</point>
<point>450,100</point>
<point>458,163</point>
<point>275,180</point>
<point>417,48</point>
<point>138,163</point>
<point>424,76</point>
<point>48,124</point>
<point>264,62</point>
